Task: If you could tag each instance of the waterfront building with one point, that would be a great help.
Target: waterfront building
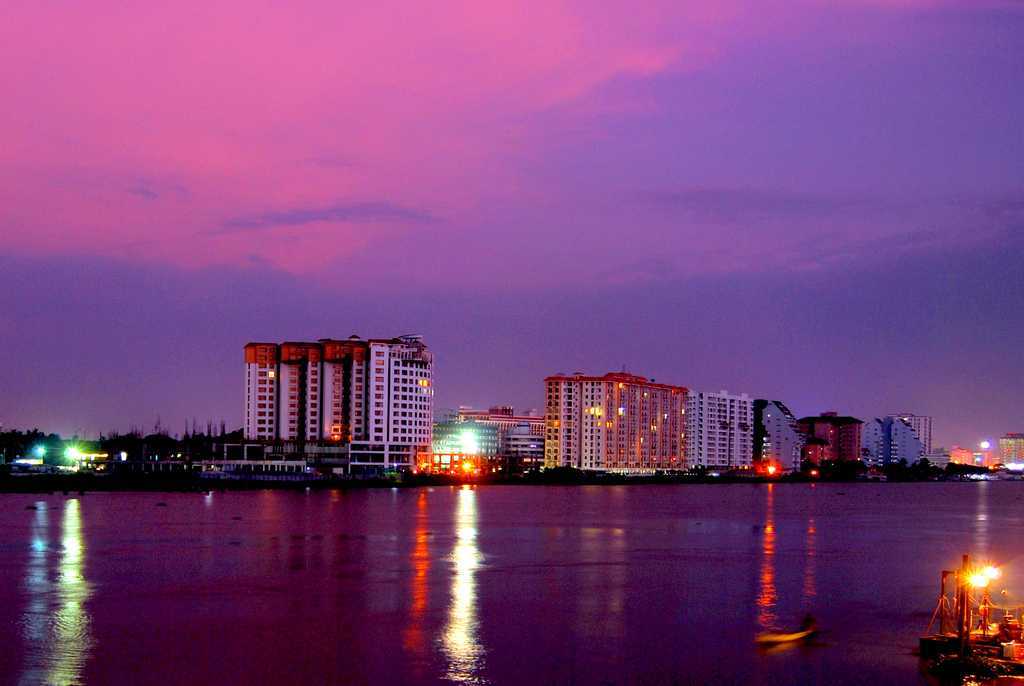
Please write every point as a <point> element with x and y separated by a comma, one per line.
<point>618,422</point>
<point>888,440</point>
<point>922,426</point>
<point>468,438</point>
<point>939,457</point>
<point>719,430</point>
<point>872,443</point>
<point>777,439</point>
<point>504,417</point>
<point>961,455</point>
<point>523,448</point>
<point>1011,448</point>
<point>838,437</point>
<point>373,397</point>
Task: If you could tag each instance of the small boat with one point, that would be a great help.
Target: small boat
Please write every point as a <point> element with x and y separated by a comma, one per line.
<point>808,629</point>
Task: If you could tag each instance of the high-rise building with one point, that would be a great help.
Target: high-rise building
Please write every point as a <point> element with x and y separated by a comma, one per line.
<point>777,439</point>
<point>872,443</point>
<point>922,426</point>
<point>835,438</point>
<point>375,397</point>
<point>719,430</point>
<point>889,440</point>
<point>1011,448</point>
<point>618,422</point>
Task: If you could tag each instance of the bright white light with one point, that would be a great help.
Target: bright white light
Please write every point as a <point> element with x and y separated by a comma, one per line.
<point>985,445</point>
<point>470,446</point>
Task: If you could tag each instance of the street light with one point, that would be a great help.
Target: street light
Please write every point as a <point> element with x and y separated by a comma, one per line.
<point>39,451</point>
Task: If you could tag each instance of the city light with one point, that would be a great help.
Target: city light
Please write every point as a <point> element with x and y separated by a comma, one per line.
<point>39,451</point>
<point>991,572</point>
<point>470,445</point>
<point>772,469</point>
<point>985,445</point>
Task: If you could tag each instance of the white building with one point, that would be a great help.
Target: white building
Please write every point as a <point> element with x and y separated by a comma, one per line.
<point>889,440</point>
<point>922,426</point>
<point>374,397</point>
<point>617,422</point>
<point>777,439</point>
<point>719,430</point>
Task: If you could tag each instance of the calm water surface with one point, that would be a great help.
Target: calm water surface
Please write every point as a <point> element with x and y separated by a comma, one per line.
<point>501,585</point>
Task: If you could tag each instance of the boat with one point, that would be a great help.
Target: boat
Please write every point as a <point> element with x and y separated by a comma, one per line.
<point>808,629</point>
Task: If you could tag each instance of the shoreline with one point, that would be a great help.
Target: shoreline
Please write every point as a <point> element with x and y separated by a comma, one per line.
<point>79,484</point>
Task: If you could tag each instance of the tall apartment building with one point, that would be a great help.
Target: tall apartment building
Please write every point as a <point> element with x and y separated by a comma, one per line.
<point>889,440</point>
<point>373,396</point>
<point>618,422</point>
<point>1011,448</point>
<point>777,438</point>
<point>831,437</point>
<point>719,430</point>
<point>922,426</point>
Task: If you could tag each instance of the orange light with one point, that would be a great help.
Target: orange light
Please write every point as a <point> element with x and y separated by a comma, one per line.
<point>814,472</point>
<point>772,469</point>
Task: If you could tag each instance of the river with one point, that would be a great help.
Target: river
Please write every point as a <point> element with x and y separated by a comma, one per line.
<point>488,585</point>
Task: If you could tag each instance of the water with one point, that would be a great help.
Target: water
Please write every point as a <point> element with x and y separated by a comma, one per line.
<point>537,585</point>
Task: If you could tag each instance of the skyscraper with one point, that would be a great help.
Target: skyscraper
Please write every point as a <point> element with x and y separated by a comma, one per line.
<point>922,426</point>
<point>719,430</point>
<point>374,397</point>
<point>617,422</point>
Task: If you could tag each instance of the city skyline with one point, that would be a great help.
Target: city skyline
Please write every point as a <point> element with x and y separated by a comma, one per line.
<point>822,207</point>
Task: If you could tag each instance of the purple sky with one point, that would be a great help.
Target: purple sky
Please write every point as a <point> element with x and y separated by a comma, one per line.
<point>818,201</point>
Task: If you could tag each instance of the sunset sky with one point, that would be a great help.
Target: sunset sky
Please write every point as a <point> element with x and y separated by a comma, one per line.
<point>820,201</point>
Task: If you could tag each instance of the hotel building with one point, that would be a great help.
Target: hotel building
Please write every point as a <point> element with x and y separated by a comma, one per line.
<point>719,430</point>
<point>618,422</point>
<point>374,397</point>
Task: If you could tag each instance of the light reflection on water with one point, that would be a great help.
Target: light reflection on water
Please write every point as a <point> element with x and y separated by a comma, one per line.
<point>55,625</point>
<point>460,640</point>
<point>767,595</point>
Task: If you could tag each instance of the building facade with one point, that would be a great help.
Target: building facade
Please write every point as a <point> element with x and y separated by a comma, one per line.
<point>922,426</point>
<point>719,430</point>
<point>889,440</point>
<point>1011,448</point>
<point>777,438</point>
<point>618,422</point>
<point>835,438</point>
<point>374,397</point>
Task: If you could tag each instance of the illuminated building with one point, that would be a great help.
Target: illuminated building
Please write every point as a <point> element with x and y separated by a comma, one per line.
<point>889,440</point>
<point>777,440</point>
<point>837,438</point>
<point>617,422</point>
<point>960,455</point>
<point>1011,448</point>
<point>373,397</point>
<point>719,430</point>
<point>520,436</point>
<point>468,438</point>
<point>922,426</point>
<point>523,448</point>
<point>503,417</point>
